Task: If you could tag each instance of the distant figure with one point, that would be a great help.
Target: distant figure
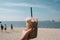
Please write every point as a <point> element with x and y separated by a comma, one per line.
<point>5,27</point>
<point>2,27</point>
<point>0,22</point>
<point>11,27</point>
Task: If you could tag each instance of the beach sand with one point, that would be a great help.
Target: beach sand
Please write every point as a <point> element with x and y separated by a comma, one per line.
<point>43,34</point>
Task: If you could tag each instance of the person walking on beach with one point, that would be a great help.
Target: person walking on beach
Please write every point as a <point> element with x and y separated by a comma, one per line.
<point>2,27</point>
<point>5,27</point>
<point>11,27</point>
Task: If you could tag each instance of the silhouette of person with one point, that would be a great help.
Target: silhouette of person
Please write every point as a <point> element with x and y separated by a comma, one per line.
<point>2,27</point>
<point>11,27</point>
<point>5,27</point>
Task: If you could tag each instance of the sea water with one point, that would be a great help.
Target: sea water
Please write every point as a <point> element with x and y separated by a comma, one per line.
<point>41,24</point>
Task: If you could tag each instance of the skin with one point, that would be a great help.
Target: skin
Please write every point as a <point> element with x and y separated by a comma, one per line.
<point>25,34</point>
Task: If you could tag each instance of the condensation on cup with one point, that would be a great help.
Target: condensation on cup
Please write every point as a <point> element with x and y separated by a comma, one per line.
<point>32,23</point>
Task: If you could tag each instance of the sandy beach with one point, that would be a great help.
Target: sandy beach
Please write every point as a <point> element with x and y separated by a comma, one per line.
<point>43,34</point>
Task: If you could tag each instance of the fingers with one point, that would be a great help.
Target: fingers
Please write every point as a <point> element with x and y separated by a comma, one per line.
<point>25,34</point>
<point>29,30</point>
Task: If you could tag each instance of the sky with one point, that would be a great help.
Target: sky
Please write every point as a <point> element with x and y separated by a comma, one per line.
<point>19,10</point>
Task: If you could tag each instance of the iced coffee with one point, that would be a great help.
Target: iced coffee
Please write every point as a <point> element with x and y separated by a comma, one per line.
<point>32,23</point>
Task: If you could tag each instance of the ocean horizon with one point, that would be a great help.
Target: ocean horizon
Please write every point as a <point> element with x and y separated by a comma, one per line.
<point>41,24</point>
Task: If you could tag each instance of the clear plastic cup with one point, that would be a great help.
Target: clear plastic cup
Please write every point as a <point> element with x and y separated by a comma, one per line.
<point>32,23</point>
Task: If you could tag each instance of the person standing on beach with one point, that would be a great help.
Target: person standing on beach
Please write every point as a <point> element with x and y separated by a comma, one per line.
<point>11,27</point>
<point>5,27</point>
<point>2,27</point>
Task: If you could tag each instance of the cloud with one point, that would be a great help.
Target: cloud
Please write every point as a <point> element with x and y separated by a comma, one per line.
<point>22,4</point>
<point>7,14</point>
<point>6,11</point>
<point>11,18</point>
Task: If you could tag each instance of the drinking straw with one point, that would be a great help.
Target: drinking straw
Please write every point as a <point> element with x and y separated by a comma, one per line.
<point>31,12</point>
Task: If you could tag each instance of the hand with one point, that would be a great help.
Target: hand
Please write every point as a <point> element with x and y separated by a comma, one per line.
<point>25,34</point>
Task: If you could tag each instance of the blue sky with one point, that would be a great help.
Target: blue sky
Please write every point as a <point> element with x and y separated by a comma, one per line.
<point>19,10</point>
